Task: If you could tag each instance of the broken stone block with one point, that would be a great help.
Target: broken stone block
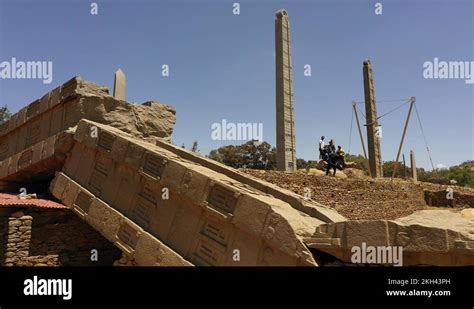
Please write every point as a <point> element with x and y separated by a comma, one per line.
<point>38,161</point>
<point>38,133</point>
<point>296,201</point>
<point>206,211</point>
<point>427,237</point>
<point>117,228</point>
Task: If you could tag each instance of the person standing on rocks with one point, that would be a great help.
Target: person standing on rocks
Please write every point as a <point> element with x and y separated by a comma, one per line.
<point>321,147</point>
<point>341,154</point>
<point>331,147</point>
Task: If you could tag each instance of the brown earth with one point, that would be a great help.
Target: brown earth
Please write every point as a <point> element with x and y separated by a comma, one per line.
<point>355,199</point>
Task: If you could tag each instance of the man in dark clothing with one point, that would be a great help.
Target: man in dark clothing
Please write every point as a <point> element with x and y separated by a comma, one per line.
<point>332,147</point>
<point>335,159</point>
<point>332,163</point>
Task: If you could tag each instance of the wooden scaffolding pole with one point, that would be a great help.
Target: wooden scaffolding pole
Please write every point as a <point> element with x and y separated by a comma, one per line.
<point>412,102</point>
<point>360,134</point>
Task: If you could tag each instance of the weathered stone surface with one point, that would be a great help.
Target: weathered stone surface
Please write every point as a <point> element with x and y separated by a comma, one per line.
<point>353,165</point>
<point>36,140</point>
<point>373,139</point>
<point>120,230</point>
<point>468,214</point>
<point>37,161</point>
<point>431,237</point>
<point>414,174</point>
<point>318,172</point>
<point>14,223</point>
<point>213,215</point>
<point>296,201</point>
<point>207,216</point>
<point>354,173</point>
<point>24,228</point>
<point>313,171</point>
<point>150,120</point>
<point>119,85</point>
<point>285,114</point>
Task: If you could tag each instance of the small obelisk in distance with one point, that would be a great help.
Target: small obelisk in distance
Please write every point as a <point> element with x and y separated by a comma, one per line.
<point>413,166</point>
<point>119,85</point>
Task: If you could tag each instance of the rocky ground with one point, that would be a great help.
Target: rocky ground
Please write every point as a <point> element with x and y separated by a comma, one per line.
<point>355,199</point>
<point>437,187</point>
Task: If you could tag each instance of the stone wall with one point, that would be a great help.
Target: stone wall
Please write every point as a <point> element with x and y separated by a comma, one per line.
<point>18,239</point>
<point>3,235</point>
<point>51,238</point>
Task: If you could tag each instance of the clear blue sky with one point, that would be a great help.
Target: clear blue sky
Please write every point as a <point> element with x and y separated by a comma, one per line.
<point>222,66</point>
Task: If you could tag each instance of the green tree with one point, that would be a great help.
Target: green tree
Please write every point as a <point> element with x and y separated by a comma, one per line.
<point>252,154</point>
<point>402,170</point>
<point>359,159</point>
<point>4,114</point>
<point>461,174</point>
<point>301,163</point>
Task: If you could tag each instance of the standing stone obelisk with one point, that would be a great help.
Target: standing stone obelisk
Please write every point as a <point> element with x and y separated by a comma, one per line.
<point>373,130</point>
<point>413,166</point>
<point>285,116</point>
<point>119,85</point>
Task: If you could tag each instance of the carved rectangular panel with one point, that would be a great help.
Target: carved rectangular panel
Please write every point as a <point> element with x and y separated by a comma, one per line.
<point>99,175</point>
<point>222,198</point>
<point>106,141</point>
<point>141,213</point>
<point>215,230</point>
<point>127,235</point>
<point>147,193</point>
<point>146,201</point>
<point>153,165</point>
<point>83,201</point>
<point>209,253</point>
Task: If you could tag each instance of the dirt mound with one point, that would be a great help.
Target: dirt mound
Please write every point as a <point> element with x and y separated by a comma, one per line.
<point>353,198</point>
